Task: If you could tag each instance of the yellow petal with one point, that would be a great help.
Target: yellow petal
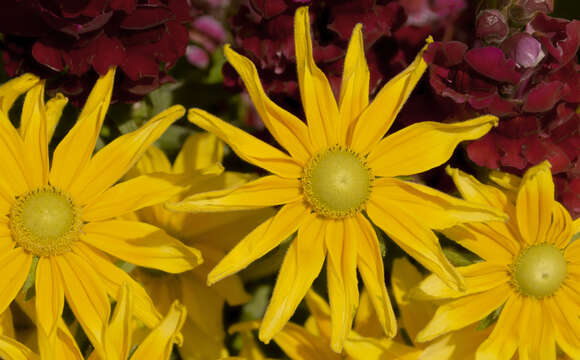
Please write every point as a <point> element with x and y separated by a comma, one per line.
<point>159,343</point>
<point>505,233</point>
<point>302,264</point>
<point>265,191</point>
<point>261,240</point>
<point>12,156</point>
<point>478,277</point>
<point>297,343</point>
<point>248,147</point>
<point>86,297</point>
<point>423,146</point>
<point>414,314</point>
<point>66,346</point>
<point>378,117</point>
<point>536,334</point>
<point>535,202</point>
<point>371,268</point>
<point>566,326</point>
<point>484,240</point>
<point>317,97</point>
<point>231,288</point>
<point>54,108</point>
<point>134,194</point>
<point>199,151</point>
<point>320,314</point>
<point>153,160</point>
<point>354,87</point>
<point>13,350</point>
<point>464,311</point>
<point>33,129</point>
<point>114,160</point>
<point>74,151</point>
<point>341,243</point>
<point>503,341</point>
<point>460,344</point>
<point>250,348</point>
<point>506,180</point>
<point>141,244</point>
<point>120,329</point>
<point>560,230</point>
<point>113,278</point>
<point>15,266</point>
<point>205,307</point>
<point>199,345</point>
<point>436,209</point>
<point>288,130</point>
<point>12,89</point>
<point>361,348</point>
<point>49,294</point>
<point>7,323</point>
<point>415,239</point>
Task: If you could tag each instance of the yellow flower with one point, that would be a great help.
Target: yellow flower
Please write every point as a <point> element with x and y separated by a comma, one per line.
<point>212,234</point>
<point>530,271</point>
<point>57,218</point>
<point>312,341</point>
<point>158,344</point>
<point>339,165</point>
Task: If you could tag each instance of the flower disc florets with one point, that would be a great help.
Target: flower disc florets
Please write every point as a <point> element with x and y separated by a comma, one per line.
<point>337,182</point>
<point>539,270</point>
<point>45,221</point>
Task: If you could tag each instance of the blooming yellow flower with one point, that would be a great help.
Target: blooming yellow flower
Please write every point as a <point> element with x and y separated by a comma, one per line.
<point>312,341</point>
<point>158,344</point>
<point>57,218</point>
<point>212,234</point>
<point>530,271</point>
<point>339,165</point>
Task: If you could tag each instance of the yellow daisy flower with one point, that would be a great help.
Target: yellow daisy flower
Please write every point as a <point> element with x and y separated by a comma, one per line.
<point>530,271</point>
<point>57,218</point>
<point>339,166</point>
<point>312,341</point>
<point>158,344</point>
<point>212,234</point>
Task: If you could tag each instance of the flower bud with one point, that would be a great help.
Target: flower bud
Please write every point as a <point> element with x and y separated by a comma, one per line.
<point>491,26</point>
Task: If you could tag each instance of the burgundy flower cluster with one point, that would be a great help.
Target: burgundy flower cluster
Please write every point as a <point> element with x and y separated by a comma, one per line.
<point>522,68</point>
<point>393,33</point>
<point>70,42</point>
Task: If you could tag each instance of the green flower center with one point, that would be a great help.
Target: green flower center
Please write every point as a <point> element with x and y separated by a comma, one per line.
<point>45,221</point>
<point>337,182</point>
<point>539,270</point>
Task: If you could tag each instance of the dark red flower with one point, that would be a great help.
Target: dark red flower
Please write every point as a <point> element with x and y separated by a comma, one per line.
<point>530,79</point>
<point>72,42</point>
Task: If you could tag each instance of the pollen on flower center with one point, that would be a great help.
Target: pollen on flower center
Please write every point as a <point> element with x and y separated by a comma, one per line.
<point>45,221</point>
<point>337,182</point>
<point>539,270</point>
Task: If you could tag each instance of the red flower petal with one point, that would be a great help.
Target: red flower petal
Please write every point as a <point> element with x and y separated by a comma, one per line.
<point>491,62</point>
<point>543,96</point>
<point>109,52</point>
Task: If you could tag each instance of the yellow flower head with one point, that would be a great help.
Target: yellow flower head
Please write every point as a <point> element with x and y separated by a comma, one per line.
<point>530,271</point>
<point>58,217</point>
<point>338,166</point>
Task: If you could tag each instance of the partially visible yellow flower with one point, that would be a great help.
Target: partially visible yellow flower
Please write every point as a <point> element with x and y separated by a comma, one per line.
<point>58,217</point>
<point>312,341</point>
<point>530,271</point>
<point>210,233</point>
<point>338,167</point>
<point>158,344</point>
<point>415,314</point>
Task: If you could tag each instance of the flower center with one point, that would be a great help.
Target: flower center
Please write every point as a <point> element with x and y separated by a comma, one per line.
<point>337,182</point>
<point>539,270</point>
<point>45,221</point>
